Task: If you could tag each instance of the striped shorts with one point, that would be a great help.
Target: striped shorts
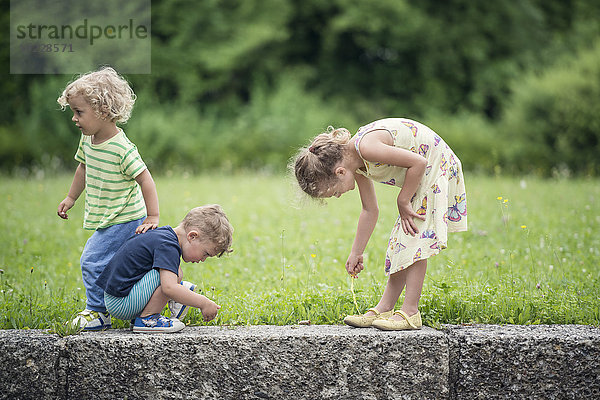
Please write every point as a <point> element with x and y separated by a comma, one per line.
<point>132,305</point>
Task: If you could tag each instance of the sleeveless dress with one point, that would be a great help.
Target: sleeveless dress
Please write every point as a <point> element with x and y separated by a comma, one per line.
<point>441,196</point>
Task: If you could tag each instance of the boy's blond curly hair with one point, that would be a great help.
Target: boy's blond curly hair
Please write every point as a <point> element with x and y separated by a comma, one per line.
<point>211,221</point>
<point>105,90</point>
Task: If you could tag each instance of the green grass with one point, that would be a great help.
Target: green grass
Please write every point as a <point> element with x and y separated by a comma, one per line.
<point>288,263</point>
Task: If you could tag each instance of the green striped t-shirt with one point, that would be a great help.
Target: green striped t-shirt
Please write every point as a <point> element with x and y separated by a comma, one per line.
<point>112,196</point>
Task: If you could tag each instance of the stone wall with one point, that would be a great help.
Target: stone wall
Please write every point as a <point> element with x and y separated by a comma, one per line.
<point>305,362</point>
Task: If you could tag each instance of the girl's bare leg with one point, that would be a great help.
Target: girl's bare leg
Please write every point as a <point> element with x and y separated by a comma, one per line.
<point>392,291</point>
<point>415,276</point>
<point>411,277</point>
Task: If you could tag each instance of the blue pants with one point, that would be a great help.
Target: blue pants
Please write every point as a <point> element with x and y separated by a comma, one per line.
<point>98,251</point>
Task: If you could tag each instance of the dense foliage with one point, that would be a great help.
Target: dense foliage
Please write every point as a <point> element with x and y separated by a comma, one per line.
<point>560,108</point>
<point>239,84</point>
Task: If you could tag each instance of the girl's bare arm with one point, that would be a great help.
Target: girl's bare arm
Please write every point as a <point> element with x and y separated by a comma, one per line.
<point>366,223</point>
<point>378,146</point>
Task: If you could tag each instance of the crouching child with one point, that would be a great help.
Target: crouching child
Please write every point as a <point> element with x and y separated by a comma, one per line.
<point>145,275</point>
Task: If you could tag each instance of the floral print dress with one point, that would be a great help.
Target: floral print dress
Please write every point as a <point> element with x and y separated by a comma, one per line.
<point>441,196</point>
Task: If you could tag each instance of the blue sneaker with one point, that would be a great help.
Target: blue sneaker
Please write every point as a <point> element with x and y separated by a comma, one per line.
<point>179,310</point>
<point>156,323</point>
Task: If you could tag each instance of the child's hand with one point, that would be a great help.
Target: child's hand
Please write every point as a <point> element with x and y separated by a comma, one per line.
<point>151,222</point>
<point>65,206</point>
<point>209,310</point>
<point>354,264</point>
<point>406,218</point>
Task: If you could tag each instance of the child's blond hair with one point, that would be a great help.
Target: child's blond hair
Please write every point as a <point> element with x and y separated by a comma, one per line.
<point>105,90</point>
<point>314,166</point>
<point>212,222</point>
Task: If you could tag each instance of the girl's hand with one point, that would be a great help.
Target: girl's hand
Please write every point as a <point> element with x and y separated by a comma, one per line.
<point>151,222</point>
<point>209,310</point>
<point>407,215</point>
<point>354,264</point>
<point>65,206</point>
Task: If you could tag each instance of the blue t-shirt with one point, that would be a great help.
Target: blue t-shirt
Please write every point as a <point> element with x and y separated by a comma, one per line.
<point>158,248</point>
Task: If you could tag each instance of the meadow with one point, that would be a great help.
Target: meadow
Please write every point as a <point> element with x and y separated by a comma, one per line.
<point>531,255</point>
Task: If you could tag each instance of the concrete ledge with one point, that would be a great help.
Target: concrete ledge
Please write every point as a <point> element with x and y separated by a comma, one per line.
<point>545,362</point>
<point>304,362</point>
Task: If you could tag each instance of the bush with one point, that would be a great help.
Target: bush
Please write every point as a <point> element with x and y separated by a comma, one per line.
<point>41,136</point>
<point>472,137</point>
<point>276,122</point>
<point>262,134</point>
<point>553,121</point>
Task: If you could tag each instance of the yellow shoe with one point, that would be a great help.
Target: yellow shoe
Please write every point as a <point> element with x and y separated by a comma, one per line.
<point>365,321</point>
<point>413,322</point>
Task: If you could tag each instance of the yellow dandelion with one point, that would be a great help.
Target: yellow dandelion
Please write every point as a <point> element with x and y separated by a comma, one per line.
<point>523,226</point>
<point>505,201</point>
<point>499,198</point>
<point>313,255</point>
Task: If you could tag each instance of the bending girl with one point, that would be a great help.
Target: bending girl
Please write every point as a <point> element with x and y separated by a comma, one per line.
<point>431,202</point>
